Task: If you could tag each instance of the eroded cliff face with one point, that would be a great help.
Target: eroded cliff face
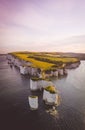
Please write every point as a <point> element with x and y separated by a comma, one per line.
<point>73,65</point>
<point>33,102</point>
<point>24,70</point>
<point>50,98</point>
<point>39,84</point>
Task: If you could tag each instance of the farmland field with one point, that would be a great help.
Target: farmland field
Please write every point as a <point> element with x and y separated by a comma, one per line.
<point>44,60</point>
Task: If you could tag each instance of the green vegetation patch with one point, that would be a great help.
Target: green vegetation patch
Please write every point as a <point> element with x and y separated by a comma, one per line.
<point>54,60</point>
<point>36,79</point>
<point>32,96</point>
<point>51,89</point>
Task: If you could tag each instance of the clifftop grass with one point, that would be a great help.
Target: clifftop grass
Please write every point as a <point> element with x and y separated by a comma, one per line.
<point>44,61</point>
<point>32,96</point>
<point>50,89</point>
<point>35,63</point>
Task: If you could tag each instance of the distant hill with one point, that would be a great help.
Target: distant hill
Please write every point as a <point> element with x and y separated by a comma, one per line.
<point>81,56</point>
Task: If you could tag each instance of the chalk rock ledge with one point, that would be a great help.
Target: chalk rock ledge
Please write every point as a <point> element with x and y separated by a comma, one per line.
<point>50,96</point>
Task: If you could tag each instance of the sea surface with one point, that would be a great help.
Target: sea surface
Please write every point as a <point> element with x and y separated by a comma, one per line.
<point>15,113</point>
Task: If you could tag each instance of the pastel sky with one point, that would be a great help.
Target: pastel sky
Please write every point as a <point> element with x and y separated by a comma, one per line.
<point>42,25</point>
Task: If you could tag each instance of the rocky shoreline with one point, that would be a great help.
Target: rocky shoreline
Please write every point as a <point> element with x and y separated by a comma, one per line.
<point>25,67</point>
<point>39,79</point>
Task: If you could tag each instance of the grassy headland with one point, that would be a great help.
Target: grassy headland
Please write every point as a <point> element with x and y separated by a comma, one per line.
<point>45,61</point>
